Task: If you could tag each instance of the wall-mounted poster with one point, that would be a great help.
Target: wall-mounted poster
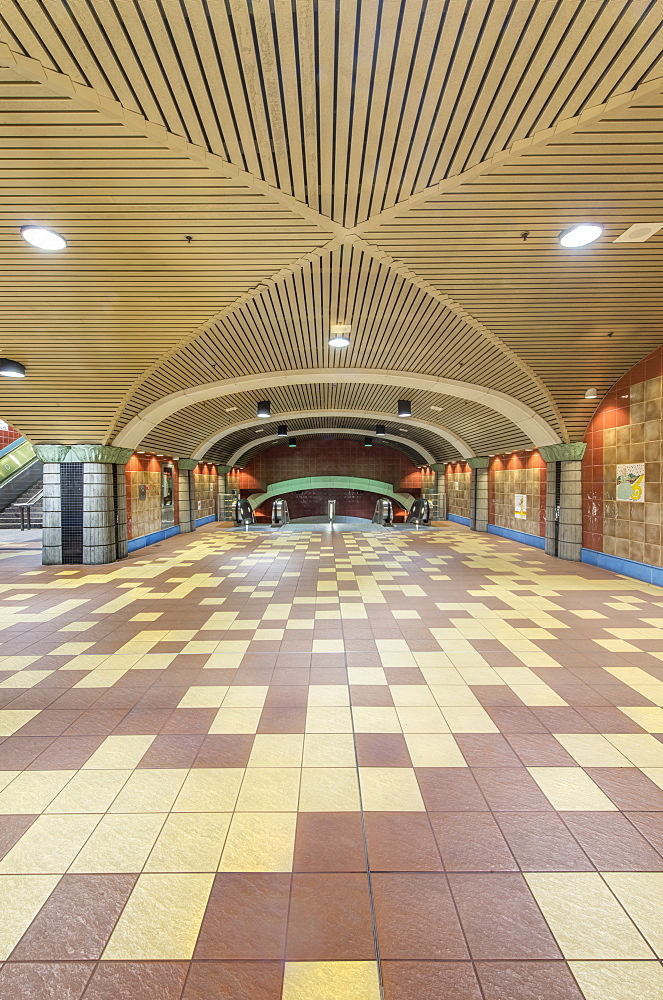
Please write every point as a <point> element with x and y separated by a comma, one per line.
<point>631,482</point>
<point>520,505</point>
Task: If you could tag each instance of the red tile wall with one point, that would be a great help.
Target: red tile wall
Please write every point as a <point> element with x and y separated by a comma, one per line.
<point>134,470</point>
<point>530,460</point>
<point>306,503</point>
<point>6,437</point>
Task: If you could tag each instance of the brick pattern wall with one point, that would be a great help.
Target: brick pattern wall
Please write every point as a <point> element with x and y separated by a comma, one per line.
<point>520,472</point>
<point>206,481</point>
<point>627,428</point>
<point>144,516</point>
<point>458,489</point>
<point>7,436</point>
<point>351,503</point>
<point>322,457</point>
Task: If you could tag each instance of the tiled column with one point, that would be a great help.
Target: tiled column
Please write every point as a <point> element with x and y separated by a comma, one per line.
<point>222,489</point>
<point>564,499</point>
<point>440,469</point>
<point>479,493</point>
<point>186,494</point>
<point>85,511</point>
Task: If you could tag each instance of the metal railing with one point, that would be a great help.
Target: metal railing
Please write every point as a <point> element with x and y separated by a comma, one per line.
<point>25,509</point>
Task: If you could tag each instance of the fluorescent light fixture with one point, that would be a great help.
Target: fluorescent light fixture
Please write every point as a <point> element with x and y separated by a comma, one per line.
<point>580,235</point>
<point>380,429</point>
<point>11,369</point>
<point>230,409</point>
<point>339,336</point>
<point>404,408</point>
<point>282,431</point>
<point>264,409</point>
<point>438,408</point>
<point>591,394</point>
<point>43,239</point>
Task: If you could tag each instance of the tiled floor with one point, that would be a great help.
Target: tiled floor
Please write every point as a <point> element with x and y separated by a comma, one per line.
<point>314,766</point>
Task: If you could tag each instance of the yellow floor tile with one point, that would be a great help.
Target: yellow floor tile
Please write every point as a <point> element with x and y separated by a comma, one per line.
<point>331,981</point>
<point>412,695</point>
<point>619,980</point>
<point>333,695</point>
<point>390,789</point>
<point>204,697</point>
<point>328,646</point>
<point>236,720</point>
<point>434,750</point>
<point>32,791</point>
<point>269,789</point>
<point>25,678</point>
<point>189,842</point>
<point>245,696</point>
<point>571,789</point>
<point>260,842</point>
<point>119,752</point>
<point>329,750</point>
<point>150,790</point>
<point>21,898</point>
<point>49,846</point>
<point>11,720</point>
<point>277,750</point>
<point>537,695</point>
<point>328,720</point>
<point>585,918</point>
<point>366,675</point>
<point>329,789</point>
<point>454,695</point>
<point>120,843</point>
<point>161,919</point>
<point>654,774</point>
<point>209,789</point>
<point>375,720</point>
<point>89,792</point>
<point>641,895</point>
<point>422,720</point>
<point>469,720</point>
<point>223,661</point>
<point>651,719</point>
<point>642,750</point>
<point>592,750</point>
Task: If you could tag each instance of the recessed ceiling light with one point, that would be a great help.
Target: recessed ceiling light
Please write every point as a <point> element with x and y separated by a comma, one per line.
<point>259,432</point>
<point>230,409</point>
<point>404,408</point>
<point>43,239</point>
<point>403,429</point>
<point>339,336</point>
<point>580,235</point>
<point>591,394</point>
<point>11,369</point>
<point>438,408</point>
<point>263,409</point>
<point>339,341</point>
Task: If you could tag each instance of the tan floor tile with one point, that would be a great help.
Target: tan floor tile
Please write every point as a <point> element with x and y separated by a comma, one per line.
<point>150,790</point>
<point>585,918</point>
<point>235,721</point>
<point>210,789</point>
<point>12,720</point>
<point>245,697</point>
<point>469,720</point>
<point>434,750</point>
<point>592,750</point>
<point>328,720</point>
<point>49,846</point>
<point>619,980</point>
<point>331,981</point>
<point>120,843</point>
<point>641,895</point>
<point>269,789</point>
<point>260,842</point>
<point>161,919</point>
<point>651,719</point>
<point>277,750</point>
<point>118,752</point>
<point>329,750</point>
<point>422,720</point>
<point>329,789</point>
<point>32,791</point>
<point>366,675</point>
<point>642,750</point>
<point>21,898</point>
<point>571,789</point>
<point>390,789</point>
<point>453,695</point>
<point>204,697</point>
<point>89,792</point>
<point>412,695</point>
<point>375,720</point>
<point>332,695</point>
<point>189,842</point>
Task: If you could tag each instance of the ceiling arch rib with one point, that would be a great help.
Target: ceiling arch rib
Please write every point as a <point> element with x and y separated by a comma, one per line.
<point>533,426</point>
<point>462,447</point>
<point>411,448</point>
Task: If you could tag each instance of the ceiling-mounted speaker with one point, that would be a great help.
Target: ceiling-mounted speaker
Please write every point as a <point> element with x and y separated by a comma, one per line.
<point>292,443</point>
<point>404,408</point>
<point>263,409</point>
<point>380,429</point>
<point>282,431</point>
<point>368,442</point>
<point>639,232</point>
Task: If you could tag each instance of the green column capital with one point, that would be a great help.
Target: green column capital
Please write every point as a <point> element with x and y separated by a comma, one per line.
<point>438,466</point>
<point>563,452</point>
<point>97,453</point>
<point>186,464</point>
<point>478,462</point>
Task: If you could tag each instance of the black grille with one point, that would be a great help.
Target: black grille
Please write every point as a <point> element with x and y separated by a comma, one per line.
<point>71,494</point>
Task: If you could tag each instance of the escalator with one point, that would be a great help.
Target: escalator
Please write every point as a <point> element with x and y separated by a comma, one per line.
<point>21,475</point>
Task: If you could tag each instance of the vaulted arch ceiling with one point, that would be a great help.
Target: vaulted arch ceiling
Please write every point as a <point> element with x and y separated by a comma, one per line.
<point>245,453</point>
<point>361,162</point>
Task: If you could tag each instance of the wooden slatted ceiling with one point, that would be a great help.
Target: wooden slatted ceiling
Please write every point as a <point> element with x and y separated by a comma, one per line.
<point>484,430</point>
<point>394,324</point>
<point>88,322</point>
<point>555,307</point>
<point>349,106</point>
<point>248,456</point>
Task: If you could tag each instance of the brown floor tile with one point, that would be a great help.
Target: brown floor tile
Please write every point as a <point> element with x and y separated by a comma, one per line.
<point>519,933</point>
<point>137,981</point>
<point>12,829</point>
<point>611,720</point>
<point>44,980</point>
<point>404,675</point>
<point>66,753</point>
<point>450,789</point>
<point>486,750</point>
<point>628,788</point>
<point>18,752</point>
<point>429,981</point>
<point>329,842</point>
<point>612,843</point>
<point>246,917</point>
<point>282,720</point>
<point>516,720</point>
<point>401,842</point>
<point>471,842</point>
<point>382,750</point>
<point>143,722</point>
<point>290,676</point>
<point>527,981</point>
<point>541,842</point>
<point>224,751</point>
<point>252,677</point>
<point>96,722</point>
<point>234,981</point>
<point>510,789</point>
<point>650,826</point>
<point>496,695</point>
<point>172,751</point>
<point>563,720</point>
<point>287,696</point>
<point>50,722</point>
<point>329,675</point>
<point>415,917</point>
<point>189,720</point>
<point>330,918</point>
<point>377,695</point>
<point>540,750</point>
<point>77,919</point>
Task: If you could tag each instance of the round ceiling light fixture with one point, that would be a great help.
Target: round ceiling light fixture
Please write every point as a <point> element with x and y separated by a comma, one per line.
<point>339,336</point>
<point>43,239</point>
<point>580,235</point>
<point>591,394</point>
<point>11,369</point>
